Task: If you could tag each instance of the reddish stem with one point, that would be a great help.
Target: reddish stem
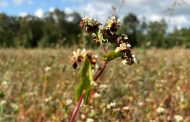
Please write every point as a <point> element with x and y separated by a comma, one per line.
<point>100,71</point>
<point>104,48</point>
<point>82,96</point>
<point>77,108</point>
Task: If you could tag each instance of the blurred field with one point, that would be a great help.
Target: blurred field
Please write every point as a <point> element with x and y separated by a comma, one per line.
<point>38,85</point>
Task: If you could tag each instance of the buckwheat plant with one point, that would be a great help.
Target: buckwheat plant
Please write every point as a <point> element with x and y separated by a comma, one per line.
<point>114,45</point>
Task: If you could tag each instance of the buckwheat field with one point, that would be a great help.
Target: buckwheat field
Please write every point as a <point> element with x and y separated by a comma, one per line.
<point>38,86</point>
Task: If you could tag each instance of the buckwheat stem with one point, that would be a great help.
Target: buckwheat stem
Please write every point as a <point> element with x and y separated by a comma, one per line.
<point>77,108</point>
<point>98,74</point>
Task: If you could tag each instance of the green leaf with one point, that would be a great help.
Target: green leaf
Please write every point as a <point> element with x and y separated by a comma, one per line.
<point>86,80</point>
<point>111,56</point>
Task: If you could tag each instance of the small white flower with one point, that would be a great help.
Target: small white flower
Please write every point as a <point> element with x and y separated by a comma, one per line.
<point>89,120</point>
<point>112,17</point>
<point>95,56</point>
<point>47,69</point>
<point>112,104</point>
<point>178,118</point>
<point>5,84</point>
<point>123,46</point>
<point>48,99</point>
<point>128,45</point>
<point>160,110</point>
<point>178,88</point>
<point>96,95</point>
<point>14,106</point>
<point>124,62</point>
<point>69,102</point>
<point>96,66</point>
<point>108,106</point>
<point>141,103</point>
<point>126,108</point>
<point>134,59</point>
<point>103,86</point>
<point>74,53</point>
<point>182,98</point>
<point>82,116</point>
<point>83,52</point>
<point>78,51</point>
<point>95,84</point>
<point>116,109</point>
<point>126,37</point>
<point>3,103</point>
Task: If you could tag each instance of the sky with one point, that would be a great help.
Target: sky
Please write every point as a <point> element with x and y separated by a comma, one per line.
<point>152,10</point>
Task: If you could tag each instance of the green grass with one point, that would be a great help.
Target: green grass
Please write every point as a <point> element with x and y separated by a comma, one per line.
<point>39,85</point>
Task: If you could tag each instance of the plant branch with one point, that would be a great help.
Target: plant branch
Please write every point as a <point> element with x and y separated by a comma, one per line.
<point>77,108</point>
<point>98,74</point>
<point>104,48</point>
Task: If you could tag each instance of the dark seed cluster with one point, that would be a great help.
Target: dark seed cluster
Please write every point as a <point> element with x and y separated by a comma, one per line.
<point>79,56</point>
<point>109,33</point>
<point>90,25</point>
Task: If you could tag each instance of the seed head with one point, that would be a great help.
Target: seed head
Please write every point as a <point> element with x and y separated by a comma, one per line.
<point>79,56</point>
<point>90,25</point>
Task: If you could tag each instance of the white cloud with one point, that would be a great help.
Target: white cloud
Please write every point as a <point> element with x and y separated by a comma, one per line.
<point>68,10</point>
<point>187,1</point>
<point>150,9</point>
<point>180,20</point>
<point>3,4</point>
<point>96,10</point>
<point>20,2</point>
<point>70,18</point>
<point>172,20</point>
<point>78,1</point>
<point>176,21</point>
<point>23,14</point>
<point>51,9</point>
<point>140,1</point>
<point>39,13</point>
<point>154,17</point>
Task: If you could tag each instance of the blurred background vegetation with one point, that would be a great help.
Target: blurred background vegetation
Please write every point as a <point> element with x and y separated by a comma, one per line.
<point>38,85</point>
<point>58,29</point>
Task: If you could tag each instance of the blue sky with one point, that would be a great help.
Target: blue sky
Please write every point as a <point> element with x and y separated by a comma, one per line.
<point>153,10</point>
<point>15,7</point>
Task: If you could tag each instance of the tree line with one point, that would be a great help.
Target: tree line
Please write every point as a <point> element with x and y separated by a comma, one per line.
<point>58,29</point>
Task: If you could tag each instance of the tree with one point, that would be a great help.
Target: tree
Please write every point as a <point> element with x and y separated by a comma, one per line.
<point>8,27</point>
<point>73,28</point>
<point>180,37</point>
<point>156,33</point>
<point>130,25</point>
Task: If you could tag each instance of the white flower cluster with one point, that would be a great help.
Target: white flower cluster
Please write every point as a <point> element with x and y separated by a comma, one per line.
<point>111,105</point>
<point>79,56</point>
<point>160,110</point>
